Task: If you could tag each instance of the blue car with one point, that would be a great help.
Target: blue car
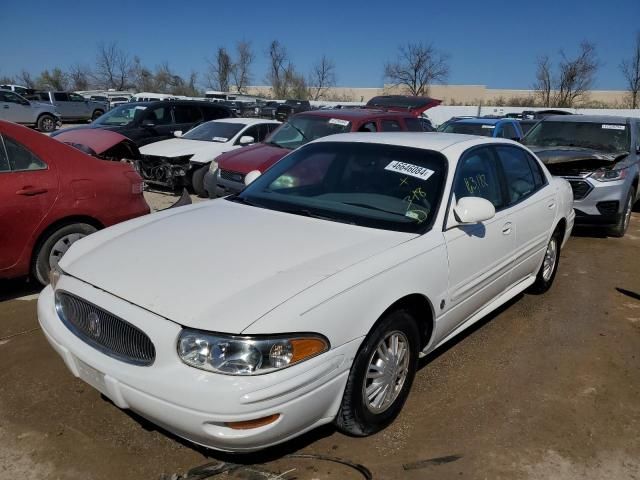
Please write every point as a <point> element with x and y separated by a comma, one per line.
<point>487,127</point>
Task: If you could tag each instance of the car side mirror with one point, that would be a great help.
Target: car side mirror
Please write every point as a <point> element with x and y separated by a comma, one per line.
<point>177,133</point>
<point>473,210</point>
<point>251,176</point>
<point>246,140</point>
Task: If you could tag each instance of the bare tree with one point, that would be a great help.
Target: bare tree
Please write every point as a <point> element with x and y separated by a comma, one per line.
<point>26,79</point>
<point>322,77</point>
<point>78,76</point>
<point>220,70</point>
<point>418,65</point>
<point>576,75</point>
<point>141,77</point>
<point>543,84</point>
<point>113,66</point>
<point>278,60</point>
<point>55,79</point>
<point>294,85</point>
<point>241,70</point>
<point>631,71</point>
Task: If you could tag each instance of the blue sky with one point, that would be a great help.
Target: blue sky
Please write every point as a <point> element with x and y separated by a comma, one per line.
<point>492,43</point>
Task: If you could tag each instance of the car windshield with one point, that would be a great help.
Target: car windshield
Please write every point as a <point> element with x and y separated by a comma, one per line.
<point>482,129</point>
<point>605,136</point>
<point>121,115</point>
<point>214,132</point>
<point>302,129</point>
<point>372,185</point>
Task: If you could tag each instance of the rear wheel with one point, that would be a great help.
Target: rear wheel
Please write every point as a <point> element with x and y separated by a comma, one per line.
<point>96,114</point>
<point>622,226</point>
<point>197,181</point>
<point>549,267</point>
<point>55,246</point>
<point>381,376</point>
<point>46,123</point>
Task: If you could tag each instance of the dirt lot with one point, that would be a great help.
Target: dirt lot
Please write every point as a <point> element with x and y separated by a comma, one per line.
<point>547,388</point>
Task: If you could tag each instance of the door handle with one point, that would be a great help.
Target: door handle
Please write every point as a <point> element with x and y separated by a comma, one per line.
<point>5,106</point>
<point>551,206</point>
<point>30,191</point>
<point>506,229</point>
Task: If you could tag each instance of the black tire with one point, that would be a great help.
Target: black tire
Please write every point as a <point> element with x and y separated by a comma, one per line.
<point>620,229</point>
<point>355,417</point>
<point>46,123</point>
<point>544,280</point>
<point>197,181</point>
<point>96,114</point>
<point>41,260</point>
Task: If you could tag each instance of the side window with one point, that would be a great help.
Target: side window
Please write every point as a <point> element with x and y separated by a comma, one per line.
<point>21,159</point>
<point>519,176</point>
<point>187,114</point>
<point>413,124</point>
<point>74,97</point>
<point>214,113</point>
<point>507,131</point>
<point>391,126</point>
<point>60,97</point>
<point>4,161</point>
<point>10,97</point>
<point>263,131</point>
<point>478,176</point>
<point>252,132</point>
<point>368,127</point>
<point>160,116</point>
<point>538,177</point>
<point>637,135</point>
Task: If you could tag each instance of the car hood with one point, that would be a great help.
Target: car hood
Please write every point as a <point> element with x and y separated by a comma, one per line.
<point>211,266</point>
<point>254,157</point>
<point>98,140</point>
<point>178,147</point>
<point>553,155</point>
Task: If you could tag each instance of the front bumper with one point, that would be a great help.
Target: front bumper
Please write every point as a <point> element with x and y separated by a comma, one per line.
<point>192,403</point>
<point>595,208</point>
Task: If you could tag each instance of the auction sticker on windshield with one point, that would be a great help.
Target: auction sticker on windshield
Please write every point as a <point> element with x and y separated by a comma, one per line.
<point>339,121</point>
<point>488,126</point>
<point>409,169</point>
<point>613,127</point>
<point>219,139</point>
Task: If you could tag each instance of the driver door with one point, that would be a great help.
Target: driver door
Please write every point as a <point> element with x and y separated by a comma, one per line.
<point>479,255</point>
<point>14,109</point>
<point>80,106</point>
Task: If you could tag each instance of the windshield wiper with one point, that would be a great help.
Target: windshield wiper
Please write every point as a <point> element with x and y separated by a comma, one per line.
<point>371,207</point>
<point>305,212</point>
<point>275,144</point>
<point>238,199</point>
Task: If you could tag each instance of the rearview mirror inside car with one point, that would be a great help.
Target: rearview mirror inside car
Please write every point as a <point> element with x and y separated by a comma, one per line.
<point>246,140</point>
<point>473,210</point>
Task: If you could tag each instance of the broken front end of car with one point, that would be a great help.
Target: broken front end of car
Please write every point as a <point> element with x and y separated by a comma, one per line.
<point>169,172</point>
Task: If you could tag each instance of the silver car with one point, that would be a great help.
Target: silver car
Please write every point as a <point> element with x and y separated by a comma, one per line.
<point>17,109</point>
<point>599,155</point>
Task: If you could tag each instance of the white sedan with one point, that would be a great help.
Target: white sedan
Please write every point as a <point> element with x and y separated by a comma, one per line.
<point>322,284</point>
<point>164,161</point>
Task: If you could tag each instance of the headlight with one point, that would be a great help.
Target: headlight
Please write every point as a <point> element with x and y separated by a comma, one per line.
<point>213,166</point>
<point>54,276</point>
<point>604,175</point>
<point>245,355</point>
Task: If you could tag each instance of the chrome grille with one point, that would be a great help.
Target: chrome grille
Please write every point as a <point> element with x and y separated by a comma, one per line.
<point>580,188</point>
<point>104,331</point>
<point>232,176</point>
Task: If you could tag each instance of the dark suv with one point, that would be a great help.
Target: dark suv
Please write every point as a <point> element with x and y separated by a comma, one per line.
<point>291,107</point>
<point>147,122</point>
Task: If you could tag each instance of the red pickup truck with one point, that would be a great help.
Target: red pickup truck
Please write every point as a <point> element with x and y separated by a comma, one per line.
<point>387,113</point>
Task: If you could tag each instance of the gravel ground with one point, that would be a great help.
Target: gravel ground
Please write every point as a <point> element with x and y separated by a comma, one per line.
<point>546,388</point>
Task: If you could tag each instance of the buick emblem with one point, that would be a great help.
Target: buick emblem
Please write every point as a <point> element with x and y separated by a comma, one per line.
<point>94,324</point>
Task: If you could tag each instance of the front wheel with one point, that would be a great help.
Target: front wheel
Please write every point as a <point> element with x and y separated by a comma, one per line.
<point>55,246</point>
<point>622,226</point>
<point>549,267</point>
<point>46,123</point>
<point>197,181</point>
<point>381,376</point>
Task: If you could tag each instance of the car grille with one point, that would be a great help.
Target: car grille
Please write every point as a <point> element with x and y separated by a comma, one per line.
<point>580,188</point>
<point>232,176</point>
<point>104,331</point>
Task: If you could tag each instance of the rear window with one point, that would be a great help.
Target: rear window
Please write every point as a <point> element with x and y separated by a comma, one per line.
<point>484,130</point>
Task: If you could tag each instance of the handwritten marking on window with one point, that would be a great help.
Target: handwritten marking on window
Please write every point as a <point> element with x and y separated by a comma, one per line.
<point>476,183</point>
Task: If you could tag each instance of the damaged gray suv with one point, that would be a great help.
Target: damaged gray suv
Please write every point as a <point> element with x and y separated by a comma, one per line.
<point>598,156</point>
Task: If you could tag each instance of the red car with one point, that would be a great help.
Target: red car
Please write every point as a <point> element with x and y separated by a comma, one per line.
<point>52,194</point>
<point>388,113</point>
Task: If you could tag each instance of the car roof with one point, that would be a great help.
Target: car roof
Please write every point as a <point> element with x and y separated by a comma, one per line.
<point>586,118</point>
<point>435,141</point>
<point>483,121</point>
<point>355,114</point>
<point>246,121</point>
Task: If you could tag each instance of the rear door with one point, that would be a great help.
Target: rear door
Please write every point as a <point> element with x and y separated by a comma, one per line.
<point>14,109</point>
<point>186,117</point>
<point>28,190</point>
<point>532,204</point>
<point>80,106</point>
<point>390,125</point>
<point>66,108</point>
